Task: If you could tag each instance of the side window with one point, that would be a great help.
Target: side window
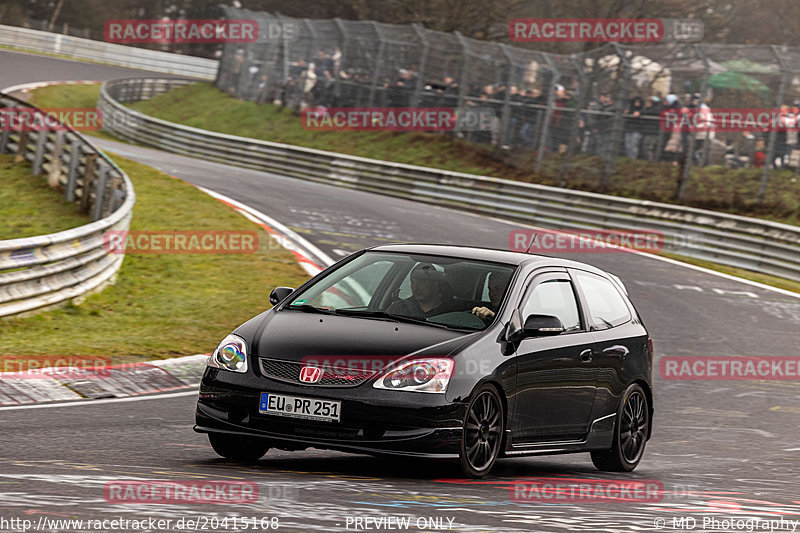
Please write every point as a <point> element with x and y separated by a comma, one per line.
<point>606,306</point>
<point>554,297</point>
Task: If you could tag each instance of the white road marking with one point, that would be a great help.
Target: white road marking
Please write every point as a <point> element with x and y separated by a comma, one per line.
<point>736,293</point>
<point>277,226</point>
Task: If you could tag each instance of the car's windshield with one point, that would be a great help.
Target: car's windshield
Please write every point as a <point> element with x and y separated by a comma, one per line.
<point>435,290</point>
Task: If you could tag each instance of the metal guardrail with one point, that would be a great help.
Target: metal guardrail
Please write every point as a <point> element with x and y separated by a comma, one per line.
<point>41,271</point>
<point>115,54</point>
<point>738,241</point>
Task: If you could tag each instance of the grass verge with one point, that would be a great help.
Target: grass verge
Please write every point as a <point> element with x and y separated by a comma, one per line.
<point>162,305</point>
<point>29,207</point>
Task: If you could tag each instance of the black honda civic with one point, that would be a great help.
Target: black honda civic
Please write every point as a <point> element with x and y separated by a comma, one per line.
<point>438,351</point>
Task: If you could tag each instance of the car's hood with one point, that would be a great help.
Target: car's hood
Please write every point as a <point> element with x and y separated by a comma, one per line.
<point>295,335</point>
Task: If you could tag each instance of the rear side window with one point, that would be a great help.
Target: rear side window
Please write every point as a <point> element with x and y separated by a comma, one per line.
<point>606,305</point>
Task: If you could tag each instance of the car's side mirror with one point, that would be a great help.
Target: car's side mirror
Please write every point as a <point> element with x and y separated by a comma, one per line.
<point>278,294</point>
<point>542,326</point>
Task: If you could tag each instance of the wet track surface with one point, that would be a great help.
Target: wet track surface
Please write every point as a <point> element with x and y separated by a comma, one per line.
<point>720,448</point>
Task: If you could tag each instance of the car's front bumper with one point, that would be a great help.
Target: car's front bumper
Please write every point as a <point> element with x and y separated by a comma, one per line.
<point>372,420</point>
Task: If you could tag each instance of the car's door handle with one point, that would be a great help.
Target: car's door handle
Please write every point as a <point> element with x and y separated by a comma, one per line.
<point>586,355</point>
<point>617,350</point>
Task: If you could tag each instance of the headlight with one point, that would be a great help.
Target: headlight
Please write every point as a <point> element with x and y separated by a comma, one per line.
<point>418,375</point>
<point>231,354</point>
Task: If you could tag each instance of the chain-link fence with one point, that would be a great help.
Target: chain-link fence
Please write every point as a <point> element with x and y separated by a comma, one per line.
<point>559,114</point>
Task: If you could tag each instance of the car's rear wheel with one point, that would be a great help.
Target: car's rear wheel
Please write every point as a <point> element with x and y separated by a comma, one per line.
<point>630,434</point>
<point>483,432</point>
<point>238,447</point>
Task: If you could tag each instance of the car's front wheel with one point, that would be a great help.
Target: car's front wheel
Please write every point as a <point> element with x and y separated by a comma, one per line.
<point>483,432</point>
<point>630,434</point>
<point>237,447</point>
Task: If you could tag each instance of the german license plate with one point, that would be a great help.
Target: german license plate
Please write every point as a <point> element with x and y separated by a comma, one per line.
<point>299,407</point>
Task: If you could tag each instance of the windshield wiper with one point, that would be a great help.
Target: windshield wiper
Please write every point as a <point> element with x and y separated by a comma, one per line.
<point>370,314</point>
<point>390,316</point>
<point>308,308</point>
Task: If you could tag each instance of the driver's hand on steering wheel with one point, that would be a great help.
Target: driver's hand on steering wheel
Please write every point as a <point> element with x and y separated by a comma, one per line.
<point>484,313</point>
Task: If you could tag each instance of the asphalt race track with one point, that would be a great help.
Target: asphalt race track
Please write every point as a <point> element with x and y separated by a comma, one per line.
<point>720,449</point>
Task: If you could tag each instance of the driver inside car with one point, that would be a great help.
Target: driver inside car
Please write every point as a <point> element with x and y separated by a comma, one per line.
<point>498,281</point>
<point>426,294</point>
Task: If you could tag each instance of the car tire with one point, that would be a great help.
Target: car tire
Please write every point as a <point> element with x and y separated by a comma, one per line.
<point>238,447</point>
<point>631,428</point>
<point>482,435</point>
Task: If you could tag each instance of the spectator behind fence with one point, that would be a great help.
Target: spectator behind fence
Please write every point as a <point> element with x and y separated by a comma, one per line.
<point>633,127</point>
<point>673,151</point>
<point>602,125</point>
<point>558,132</point>
<point>760,155</point>
<point>781,148</point>
<point>533,110</point>
<point>651,127</point>
<point>703,122</point>
<point>793,157</point>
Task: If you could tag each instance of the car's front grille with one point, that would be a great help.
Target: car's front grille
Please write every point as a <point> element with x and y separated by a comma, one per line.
<point>289,371</point>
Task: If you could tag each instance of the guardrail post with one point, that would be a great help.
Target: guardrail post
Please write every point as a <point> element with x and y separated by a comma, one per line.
<point>72,169</point>
<point>38,155</point>
<point>4,140</point>
<point>100,192</point>
<point>88,178</point>
<point>55,163</point>
<point>22,146</point>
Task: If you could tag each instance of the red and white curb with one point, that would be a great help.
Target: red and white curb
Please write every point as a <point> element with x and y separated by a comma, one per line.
<point>110,381</point>
<point>311,258</point>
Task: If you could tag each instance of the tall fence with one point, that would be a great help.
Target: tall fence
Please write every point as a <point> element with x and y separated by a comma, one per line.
<point>743,242</point>
<point>44,270</point>
<point>557,114</point>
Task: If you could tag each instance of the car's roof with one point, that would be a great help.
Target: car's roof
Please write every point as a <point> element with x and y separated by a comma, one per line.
<point>484,254</point>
